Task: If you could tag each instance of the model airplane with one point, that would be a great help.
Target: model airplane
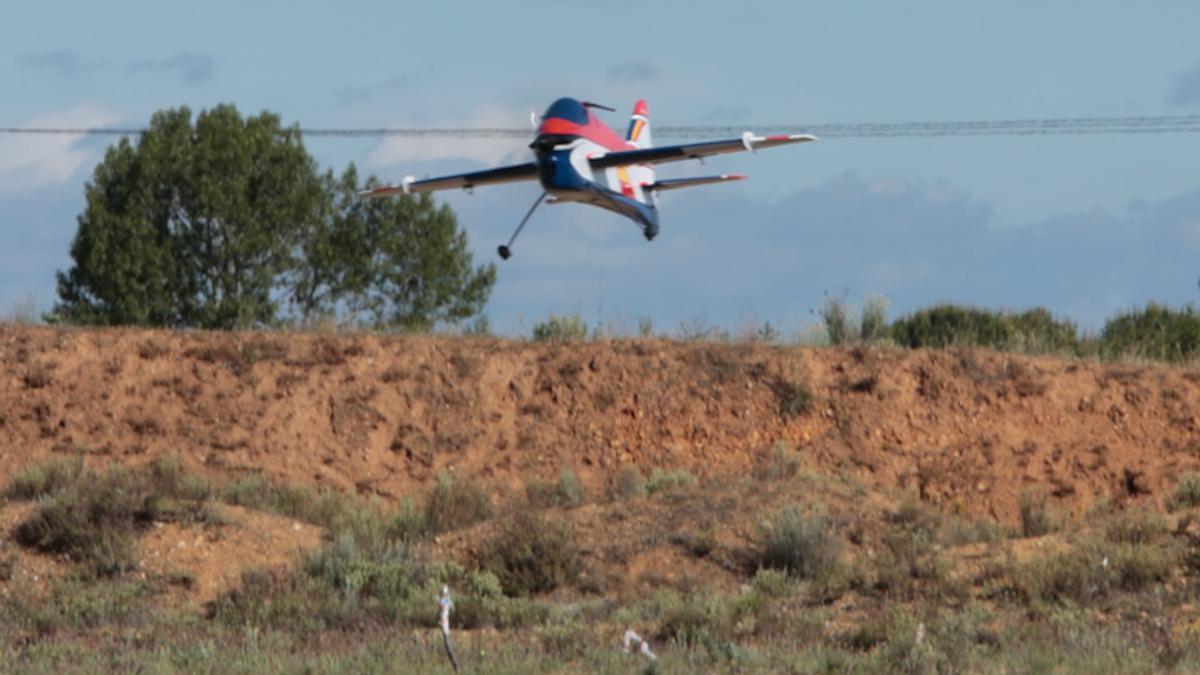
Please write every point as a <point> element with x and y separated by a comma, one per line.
<point>573,146</point>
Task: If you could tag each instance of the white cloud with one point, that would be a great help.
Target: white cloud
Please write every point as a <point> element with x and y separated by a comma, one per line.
<point>33,161</point>
<point>488,151</point>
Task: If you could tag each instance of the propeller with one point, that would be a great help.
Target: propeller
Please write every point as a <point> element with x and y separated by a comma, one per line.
<point>589,104</point>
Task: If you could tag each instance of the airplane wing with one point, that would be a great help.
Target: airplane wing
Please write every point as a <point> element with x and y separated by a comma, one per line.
<point>675,153</point>
<point>504,174</point>
<point>676,183</point>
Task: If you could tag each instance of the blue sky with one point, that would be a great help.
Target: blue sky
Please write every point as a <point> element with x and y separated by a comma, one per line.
<point>1083,225</point>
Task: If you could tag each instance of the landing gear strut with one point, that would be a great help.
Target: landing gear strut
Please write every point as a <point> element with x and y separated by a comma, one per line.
<point>505,250</point>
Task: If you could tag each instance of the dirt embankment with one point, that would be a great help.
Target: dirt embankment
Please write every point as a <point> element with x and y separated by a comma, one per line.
<point>384,415</point>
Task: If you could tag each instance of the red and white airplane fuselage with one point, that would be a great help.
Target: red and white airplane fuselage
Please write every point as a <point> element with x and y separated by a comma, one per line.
<point>573,147</point>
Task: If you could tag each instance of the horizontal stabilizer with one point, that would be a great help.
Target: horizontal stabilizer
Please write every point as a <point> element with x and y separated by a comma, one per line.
<point>677,183</point>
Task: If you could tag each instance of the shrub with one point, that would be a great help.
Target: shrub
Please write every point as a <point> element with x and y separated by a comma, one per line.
<point>93,518</point>
<point>1155,332</point>
<point>910,563</point>
<point>455,504</point>
<point>531,555</point>
<point>668,481</point>
<point>255,491</point>
<point>804,546</point>
<point>1063,576</point>
<point>1035,330</point>
<point>1187,491</point>
<point>40,480</point>
<point>561,329</point>
<point>1135,526</point>
<point>91,521</point>
<point>1137,566</point>
<point>565,493</point>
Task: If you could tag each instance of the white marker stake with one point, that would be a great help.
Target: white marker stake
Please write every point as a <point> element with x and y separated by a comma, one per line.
<point>445,604</point>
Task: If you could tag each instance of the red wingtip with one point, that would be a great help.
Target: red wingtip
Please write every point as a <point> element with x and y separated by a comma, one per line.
<point>736,176</point>
<point>640,108</point>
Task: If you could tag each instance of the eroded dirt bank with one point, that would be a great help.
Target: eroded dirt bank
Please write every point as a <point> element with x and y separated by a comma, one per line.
<point>969,429</point>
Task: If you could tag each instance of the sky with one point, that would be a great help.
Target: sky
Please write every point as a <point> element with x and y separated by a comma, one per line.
<point>1084,225</point>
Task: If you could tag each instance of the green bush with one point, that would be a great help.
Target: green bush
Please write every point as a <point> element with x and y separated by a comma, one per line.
<point>561,329</point>
<point>91,521</point>
<point>845,324</point>
<point>93,518</point>
<point>255,491</point>
<point>795,397</point>
<point>1155,332</point>
<point>1137,526</point>
<point>803,545</point>
<point>531,555</point>
<point>565,493</point>
<point>455,504</point>
<point>668,481</point>
<point>40,480</point>
<point>1032,331</point>
<point>1187,491</point>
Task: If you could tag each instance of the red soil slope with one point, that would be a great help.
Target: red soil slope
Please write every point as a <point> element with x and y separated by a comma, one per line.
<point>385,415</point>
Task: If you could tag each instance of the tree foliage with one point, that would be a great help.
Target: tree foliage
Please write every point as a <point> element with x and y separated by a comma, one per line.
<point>225,222</point>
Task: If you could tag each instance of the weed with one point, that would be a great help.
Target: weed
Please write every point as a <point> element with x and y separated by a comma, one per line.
<point>629,482</point>
<point>836,315</point>
<point>645,327</point>
<point>1035,518</point>
<point>873,318</point>
<point>561,329</point>
<point>781,464</point>
<point>795,397</point>
<point>38,375</point>
<point>698,544</point>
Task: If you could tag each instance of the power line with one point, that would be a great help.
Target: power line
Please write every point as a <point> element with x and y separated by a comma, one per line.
<point>1163,124</point>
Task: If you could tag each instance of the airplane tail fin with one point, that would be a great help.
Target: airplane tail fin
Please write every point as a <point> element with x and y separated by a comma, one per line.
<point>632,181</point>
<point>639,126</point>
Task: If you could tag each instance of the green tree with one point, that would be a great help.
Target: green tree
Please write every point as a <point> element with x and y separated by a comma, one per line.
<point>193,225</point>
<point>420,271</point>
<point>216,223</point>
<point>400,262</point>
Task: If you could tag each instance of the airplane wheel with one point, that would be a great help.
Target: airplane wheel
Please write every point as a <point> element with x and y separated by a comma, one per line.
<point>505,254</point>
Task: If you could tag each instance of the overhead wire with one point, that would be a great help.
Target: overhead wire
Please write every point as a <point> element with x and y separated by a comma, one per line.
<point>1161,124</point>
